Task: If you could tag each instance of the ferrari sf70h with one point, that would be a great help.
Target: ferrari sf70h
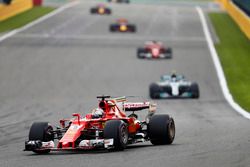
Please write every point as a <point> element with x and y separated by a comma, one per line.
<point>106,127</point>
<point>154,50</point>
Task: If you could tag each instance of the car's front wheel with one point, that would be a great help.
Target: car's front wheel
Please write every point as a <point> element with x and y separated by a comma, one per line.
<point>194,88</point>
<point>41,131</point>
<point>154,91</point>
<point>118,131</point>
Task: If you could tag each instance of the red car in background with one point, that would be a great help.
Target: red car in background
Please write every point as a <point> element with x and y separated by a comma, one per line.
<point>154,49</point>
<point>106,127</point>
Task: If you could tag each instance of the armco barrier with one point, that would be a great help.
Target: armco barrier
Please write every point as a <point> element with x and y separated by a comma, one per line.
<point>239,16</point>
<point>16,6</point>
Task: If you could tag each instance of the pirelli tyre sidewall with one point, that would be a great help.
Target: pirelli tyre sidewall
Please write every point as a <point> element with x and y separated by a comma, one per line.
<point>41,131</point>
<point>161,129</point>
<point>117,130</point>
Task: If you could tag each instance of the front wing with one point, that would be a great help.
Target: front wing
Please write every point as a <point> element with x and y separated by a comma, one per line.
<point>38,145</point>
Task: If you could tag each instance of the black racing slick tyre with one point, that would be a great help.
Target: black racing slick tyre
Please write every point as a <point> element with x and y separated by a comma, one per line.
<point>194,89</point>
<point>108,11</point>
<point>93,10</point>
<point>41,131</point>
<point>140,51</point>
<point>154,91</point>
<point>112,28</point>
<point>169,53</point>
<point>132,28</point>
<point>161,129</point>
<point>117,130</point>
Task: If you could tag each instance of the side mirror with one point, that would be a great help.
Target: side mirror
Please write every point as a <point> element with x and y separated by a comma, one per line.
<point>78,117</point>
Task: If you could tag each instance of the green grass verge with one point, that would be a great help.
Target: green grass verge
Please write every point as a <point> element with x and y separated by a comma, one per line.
<point>23,18</point>
<point>234,53</point>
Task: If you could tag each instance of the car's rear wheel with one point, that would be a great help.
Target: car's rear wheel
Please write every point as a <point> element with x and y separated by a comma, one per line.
<point>194,89</point>
<point>161,129</point>
<point>41,131</point>
<point>118,131</point>
<point>154,91</point>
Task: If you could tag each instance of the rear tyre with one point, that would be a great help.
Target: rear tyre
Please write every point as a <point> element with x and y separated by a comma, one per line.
<point>194,89</point>
<point>161,129</point>
<point>154,91</point>
<point>41,131</point>
<point>117,130</point>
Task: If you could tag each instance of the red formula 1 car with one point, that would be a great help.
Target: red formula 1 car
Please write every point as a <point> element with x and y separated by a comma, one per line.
<point>100,9</point>
<point>122,25</point>
<point>106,127</point>
<point>154,49</point>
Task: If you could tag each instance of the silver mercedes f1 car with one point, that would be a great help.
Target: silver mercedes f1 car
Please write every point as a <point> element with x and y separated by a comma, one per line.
<point>174,86</point>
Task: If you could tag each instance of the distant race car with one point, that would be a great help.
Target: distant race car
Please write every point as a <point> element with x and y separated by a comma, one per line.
<point>154,49</point>
<point>119,1</point>
<point>174,86</point>
<point>122,25</point>
<point>100,9</point>
<point>106,127</point>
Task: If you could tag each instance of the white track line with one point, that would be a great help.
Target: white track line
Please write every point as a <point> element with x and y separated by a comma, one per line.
<point>218,67</point>
<point>59,10</point>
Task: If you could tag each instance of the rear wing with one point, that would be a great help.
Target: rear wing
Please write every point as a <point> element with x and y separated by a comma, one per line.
<point>129,106</point>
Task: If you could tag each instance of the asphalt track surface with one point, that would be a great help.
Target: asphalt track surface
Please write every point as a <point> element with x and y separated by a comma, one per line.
<point>57,67</point>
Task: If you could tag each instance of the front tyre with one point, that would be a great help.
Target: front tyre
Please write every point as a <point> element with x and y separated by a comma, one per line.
<point>194,88</point>
<point>41,131</point>
<point>161,129</point>
<point>112,28</point>
<point>118,131</point>
<point>154,91</point>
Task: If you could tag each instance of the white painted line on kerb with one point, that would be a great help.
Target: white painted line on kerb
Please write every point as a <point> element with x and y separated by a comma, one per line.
<point>13,32</point>
<point>218,67</point>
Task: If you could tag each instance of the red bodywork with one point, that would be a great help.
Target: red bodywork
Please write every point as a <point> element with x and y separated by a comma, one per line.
<point>155,48</point>
<point>113,109</point>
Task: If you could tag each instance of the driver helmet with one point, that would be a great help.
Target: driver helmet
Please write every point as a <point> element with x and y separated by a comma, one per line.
<point>174,76</point>
<point>97,113</point>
